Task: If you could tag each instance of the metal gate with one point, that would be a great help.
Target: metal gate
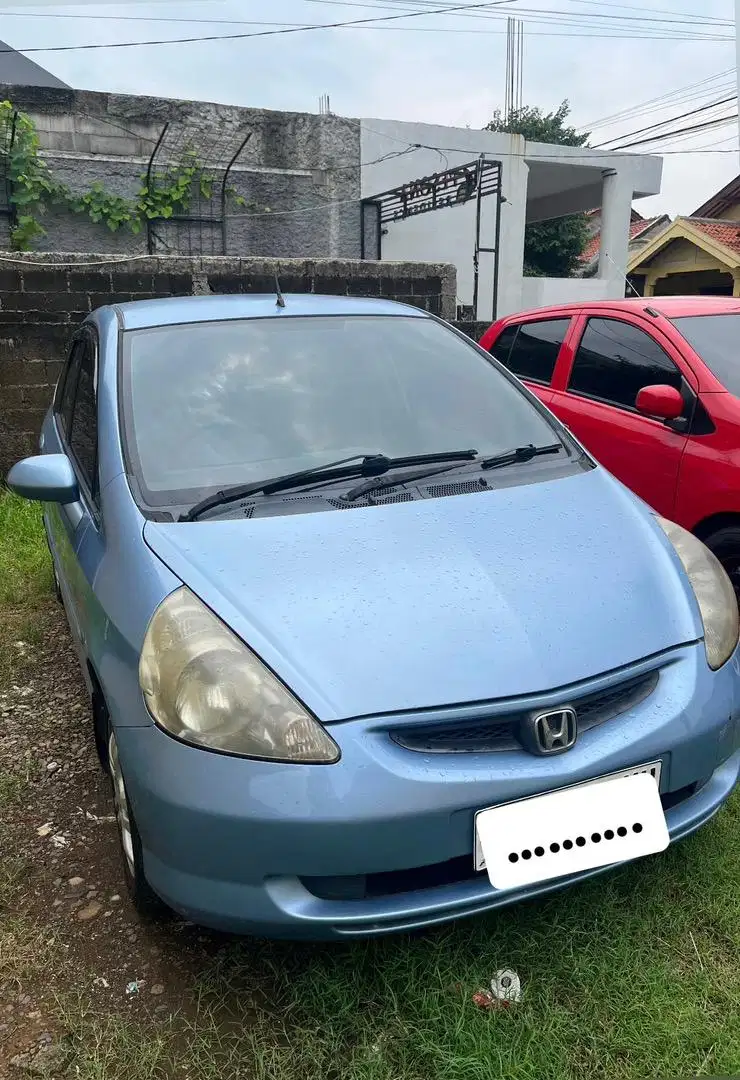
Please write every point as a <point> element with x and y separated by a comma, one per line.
<point>454,187</point>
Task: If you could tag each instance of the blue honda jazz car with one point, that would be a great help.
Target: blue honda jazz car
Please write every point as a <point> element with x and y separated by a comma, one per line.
<point>371,641</point>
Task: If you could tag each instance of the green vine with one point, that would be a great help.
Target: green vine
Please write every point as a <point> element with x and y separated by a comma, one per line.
<point>32,187</point>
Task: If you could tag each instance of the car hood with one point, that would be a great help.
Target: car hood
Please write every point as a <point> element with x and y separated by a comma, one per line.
<point>442,601</point>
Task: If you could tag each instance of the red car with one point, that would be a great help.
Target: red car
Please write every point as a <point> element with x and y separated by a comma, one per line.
<point>651,387</point>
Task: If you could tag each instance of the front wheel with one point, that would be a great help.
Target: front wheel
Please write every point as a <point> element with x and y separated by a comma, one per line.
<point>725,544</point>
<point>143,897</point>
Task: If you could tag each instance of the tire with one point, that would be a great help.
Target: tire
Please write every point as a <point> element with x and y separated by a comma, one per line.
<point>145,901</point>
<point>725,544</point>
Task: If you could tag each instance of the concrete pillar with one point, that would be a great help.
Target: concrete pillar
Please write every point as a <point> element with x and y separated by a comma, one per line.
<point>514,182</point>
<point>616,205</point>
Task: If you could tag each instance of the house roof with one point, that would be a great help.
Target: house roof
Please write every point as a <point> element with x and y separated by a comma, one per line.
<point>636,229</point>
<point>726,233</point>
<point>635,215</point>
<point>721,201</point>
<point>720,239</point>
<point>17,70</point>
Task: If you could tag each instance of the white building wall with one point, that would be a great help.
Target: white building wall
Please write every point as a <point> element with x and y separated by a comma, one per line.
<point>546,292</point>
<point>448,235</point>
<point>538,181</point>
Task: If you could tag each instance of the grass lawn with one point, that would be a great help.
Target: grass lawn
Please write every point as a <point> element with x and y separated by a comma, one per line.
<point>633,975</point>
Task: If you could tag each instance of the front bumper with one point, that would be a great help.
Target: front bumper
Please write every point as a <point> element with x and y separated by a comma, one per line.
<point>238,845</point>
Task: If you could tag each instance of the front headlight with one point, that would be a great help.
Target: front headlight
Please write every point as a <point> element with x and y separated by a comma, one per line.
<point>713,590</point>
<point>203,685</point>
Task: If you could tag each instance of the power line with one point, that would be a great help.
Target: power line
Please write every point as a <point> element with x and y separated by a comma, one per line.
<point>572,19</point>
<point>669,142</point>
<point>661,17</point>
<point>670,120</point>
<point>685,28</point>
<point>658,11</point>
<point>662,100</point>
<point>616,36</point>
<point>290,29</point>
<point>344,3</point>
<point>460,10</point>
<point>681,131</point>
<point>258,33</point>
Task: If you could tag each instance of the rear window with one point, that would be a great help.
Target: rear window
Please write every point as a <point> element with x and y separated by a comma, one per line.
<point>715,339</point>
<point>530,350</point>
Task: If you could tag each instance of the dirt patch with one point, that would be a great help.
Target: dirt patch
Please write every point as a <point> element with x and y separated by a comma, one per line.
<point>68,927</point>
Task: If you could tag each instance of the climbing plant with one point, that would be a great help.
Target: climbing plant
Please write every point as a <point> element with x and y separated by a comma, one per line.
<point>32,188</point>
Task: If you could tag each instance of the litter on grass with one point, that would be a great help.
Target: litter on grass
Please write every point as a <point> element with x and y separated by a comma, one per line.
<point>506,985</point>
<point>506,990</point>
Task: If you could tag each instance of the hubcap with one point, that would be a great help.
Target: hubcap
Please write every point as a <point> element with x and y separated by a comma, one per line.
<point>121,804</point>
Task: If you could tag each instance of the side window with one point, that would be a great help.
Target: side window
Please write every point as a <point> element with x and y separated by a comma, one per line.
<point>534,351</point>
<point>83,434</point>
<point>615,360</point>
<point>502,345</point>
<point>67,385</point>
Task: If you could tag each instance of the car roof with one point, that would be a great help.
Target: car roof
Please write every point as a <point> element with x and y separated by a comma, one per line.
<point>672,307</point>
<point>142,314</point>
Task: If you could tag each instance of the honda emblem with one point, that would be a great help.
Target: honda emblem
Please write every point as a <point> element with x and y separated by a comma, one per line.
<point>550,732</point>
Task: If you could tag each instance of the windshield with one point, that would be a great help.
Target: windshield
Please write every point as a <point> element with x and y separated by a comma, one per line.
<point>207,405</point>
<point>715,339</point>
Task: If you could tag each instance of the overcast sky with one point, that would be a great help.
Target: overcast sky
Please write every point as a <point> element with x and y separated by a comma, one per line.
<point>442,69</point>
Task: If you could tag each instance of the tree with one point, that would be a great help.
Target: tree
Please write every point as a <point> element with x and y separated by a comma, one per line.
<point>551,248</point>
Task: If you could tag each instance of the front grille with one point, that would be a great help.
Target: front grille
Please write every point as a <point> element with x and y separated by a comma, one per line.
<point>498,733</point>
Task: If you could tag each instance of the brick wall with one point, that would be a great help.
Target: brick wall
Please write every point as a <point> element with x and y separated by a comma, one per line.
<point>41,305</point>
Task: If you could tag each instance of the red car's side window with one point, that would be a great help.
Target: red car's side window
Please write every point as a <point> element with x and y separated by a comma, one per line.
<point>530,350</point>
<point>615,360</point>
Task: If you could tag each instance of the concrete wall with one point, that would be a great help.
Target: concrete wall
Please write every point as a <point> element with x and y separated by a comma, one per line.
<point>41,305</point>
<point>544,292</point>
<point>304,168</point>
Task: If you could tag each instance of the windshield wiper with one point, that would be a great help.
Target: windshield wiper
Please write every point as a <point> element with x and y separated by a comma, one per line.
<point>519,455</point>
<point>345,468</point>
<point>509,457</point>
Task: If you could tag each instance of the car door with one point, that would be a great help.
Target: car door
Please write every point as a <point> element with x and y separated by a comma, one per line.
<point>75,529</point>
<point>613,360</point>
<point>530,348</point>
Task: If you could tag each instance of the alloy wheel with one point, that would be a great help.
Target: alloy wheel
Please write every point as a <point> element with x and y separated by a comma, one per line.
<point>120,800</point>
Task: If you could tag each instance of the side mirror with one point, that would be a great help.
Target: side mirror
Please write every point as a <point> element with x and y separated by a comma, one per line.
<point>662,402</point>
<point>45,478</point>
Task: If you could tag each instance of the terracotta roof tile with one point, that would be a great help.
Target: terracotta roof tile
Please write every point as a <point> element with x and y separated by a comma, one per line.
<point>724,232</point>
<point>636,228</point>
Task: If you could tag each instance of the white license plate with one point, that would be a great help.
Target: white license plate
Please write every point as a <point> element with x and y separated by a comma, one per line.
<point>607,820</point>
